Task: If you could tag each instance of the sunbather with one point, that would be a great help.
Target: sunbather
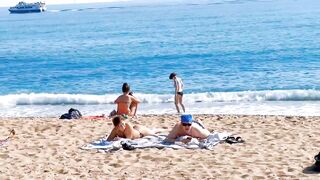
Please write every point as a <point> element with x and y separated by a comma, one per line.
<point>124,129</point>
<point>187,127</point>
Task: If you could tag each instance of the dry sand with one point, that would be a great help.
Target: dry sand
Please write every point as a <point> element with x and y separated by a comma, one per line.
<point>277,147</point>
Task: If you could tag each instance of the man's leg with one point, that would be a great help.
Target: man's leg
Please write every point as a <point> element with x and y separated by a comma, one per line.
<point>180,101</point>
<point>176,101</point>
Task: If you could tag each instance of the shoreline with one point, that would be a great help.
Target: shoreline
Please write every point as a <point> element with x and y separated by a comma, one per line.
<point>176,115</point>
<point>252,108</point>
<point>276,147</point>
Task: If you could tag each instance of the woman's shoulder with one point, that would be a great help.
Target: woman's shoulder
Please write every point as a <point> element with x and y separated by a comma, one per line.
<point>128,124</point>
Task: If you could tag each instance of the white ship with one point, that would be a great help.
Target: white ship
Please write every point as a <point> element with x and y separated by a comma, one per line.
<point>23,7</point>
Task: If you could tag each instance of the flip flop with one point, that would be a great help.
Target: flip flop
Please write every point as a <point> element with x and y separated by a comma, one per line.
<point>239,140</point>
<point>127,146</point>
<point>233,140</point>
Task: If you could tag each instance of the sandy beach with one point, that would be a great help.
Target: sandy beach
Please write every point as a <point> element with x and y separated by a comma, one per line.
<point>277,147</point>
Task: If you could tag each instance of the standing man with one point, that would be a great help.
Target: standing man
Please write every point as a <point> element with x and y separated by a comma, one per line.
<point>178,85</point>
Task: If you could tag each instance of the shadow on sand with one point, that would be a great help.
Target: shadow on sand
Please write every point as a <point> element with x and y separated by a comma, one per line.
<point>312,170</point>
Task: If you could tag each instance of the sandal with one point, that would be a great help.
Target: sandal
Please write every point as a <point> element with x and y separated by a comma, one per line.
<point>127,146</point>
<point>233,140</point>
<point>239,140</point>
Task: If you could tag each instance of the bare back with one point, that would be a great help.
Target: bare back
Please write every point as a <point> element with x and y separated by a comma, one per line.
<point>123,102</point>
<point>127,104</point>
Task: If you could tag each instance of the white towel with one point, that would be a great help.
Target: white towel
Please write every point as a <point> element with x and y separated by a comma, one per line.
<point>157,142</point>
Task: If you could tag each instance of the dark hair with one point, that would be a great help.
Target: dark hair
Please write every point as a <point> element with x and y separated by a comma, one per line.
<point>125,87</point>
<point>172,75</point>
<point>116,120</point>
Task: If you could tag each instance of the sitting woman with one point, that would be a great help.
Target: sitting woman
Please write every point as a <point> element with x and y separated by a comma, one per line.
<point>127,103</point>
<point>124,129</point>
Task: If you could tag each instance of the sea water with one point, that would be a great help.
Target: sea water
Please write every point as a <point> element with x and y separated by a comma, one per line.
<point>234,57</point>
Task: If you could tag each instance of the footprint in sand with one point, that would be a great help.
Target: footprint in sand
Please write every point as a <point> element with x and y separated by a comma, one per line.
<point>115,165</point>
<point>160,159</point>
<point>4,156</point>
<point>147,157</point>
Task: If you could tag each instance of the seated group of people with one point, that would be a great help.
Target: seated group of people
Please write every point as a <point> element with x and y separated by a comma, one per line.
<point>127,105</point>
<point>186,127</point>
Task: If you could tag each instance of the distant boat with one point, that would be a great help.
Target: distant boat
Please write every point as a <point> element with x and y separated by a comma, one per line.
<point>23,7</point>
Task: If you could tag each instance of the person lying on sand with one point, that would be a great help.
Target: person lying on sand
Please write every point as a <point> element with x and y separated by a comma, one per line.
<point>187,127</point>
<point>124,129</point>
<point>126,103</point>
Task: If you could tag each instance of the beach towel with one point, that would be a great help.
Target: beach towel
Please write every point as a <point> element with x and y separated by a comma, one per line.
<point>156,141</point>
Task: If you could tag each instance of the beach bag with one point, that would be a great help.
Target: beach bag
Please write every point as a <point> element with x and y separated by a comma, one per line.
<point>72,114</point>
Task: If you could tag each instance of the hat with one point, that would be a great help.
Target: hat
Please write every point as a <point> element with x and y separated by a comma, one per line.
<point>186,118</point>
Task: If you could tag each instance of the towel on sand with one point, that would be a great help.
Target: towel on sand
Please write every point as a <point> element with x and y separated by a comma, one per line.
<point>157,142</point>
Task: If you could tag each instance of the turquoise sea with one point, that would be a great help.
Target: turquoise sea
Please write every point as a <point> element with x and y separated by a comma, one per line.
<point>234,56</point>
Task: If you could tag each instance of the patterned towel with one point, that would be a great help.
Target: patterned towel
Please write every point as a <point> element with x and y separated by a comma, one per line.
<point>156,141</point>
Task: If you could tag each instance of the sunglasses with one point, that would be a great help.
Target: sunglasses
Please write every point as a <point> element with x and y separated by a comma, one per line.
<point>186,124</point>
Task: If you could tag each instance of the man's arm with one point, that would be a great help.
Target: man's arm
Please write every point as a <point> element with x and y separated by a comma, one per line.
<point>182,84</point>
<point>173,134</point>
<point>112,135</point>
<point>175,85</point>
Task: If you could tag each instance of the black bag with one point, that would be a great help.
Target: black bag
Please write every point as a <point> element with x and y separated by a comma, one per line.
<point>72,114</point>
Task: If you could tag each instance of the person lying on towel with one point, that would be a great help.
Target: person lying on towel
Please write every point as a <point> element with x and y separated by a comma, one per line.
<point>124,129</point>
<point>187,127</point>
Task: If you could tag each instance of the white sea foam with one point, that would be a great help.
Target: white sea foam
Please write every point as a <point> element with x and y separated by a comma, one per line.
<point>278,102</point>
<point>86,99</point>
<point>305,108</point>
